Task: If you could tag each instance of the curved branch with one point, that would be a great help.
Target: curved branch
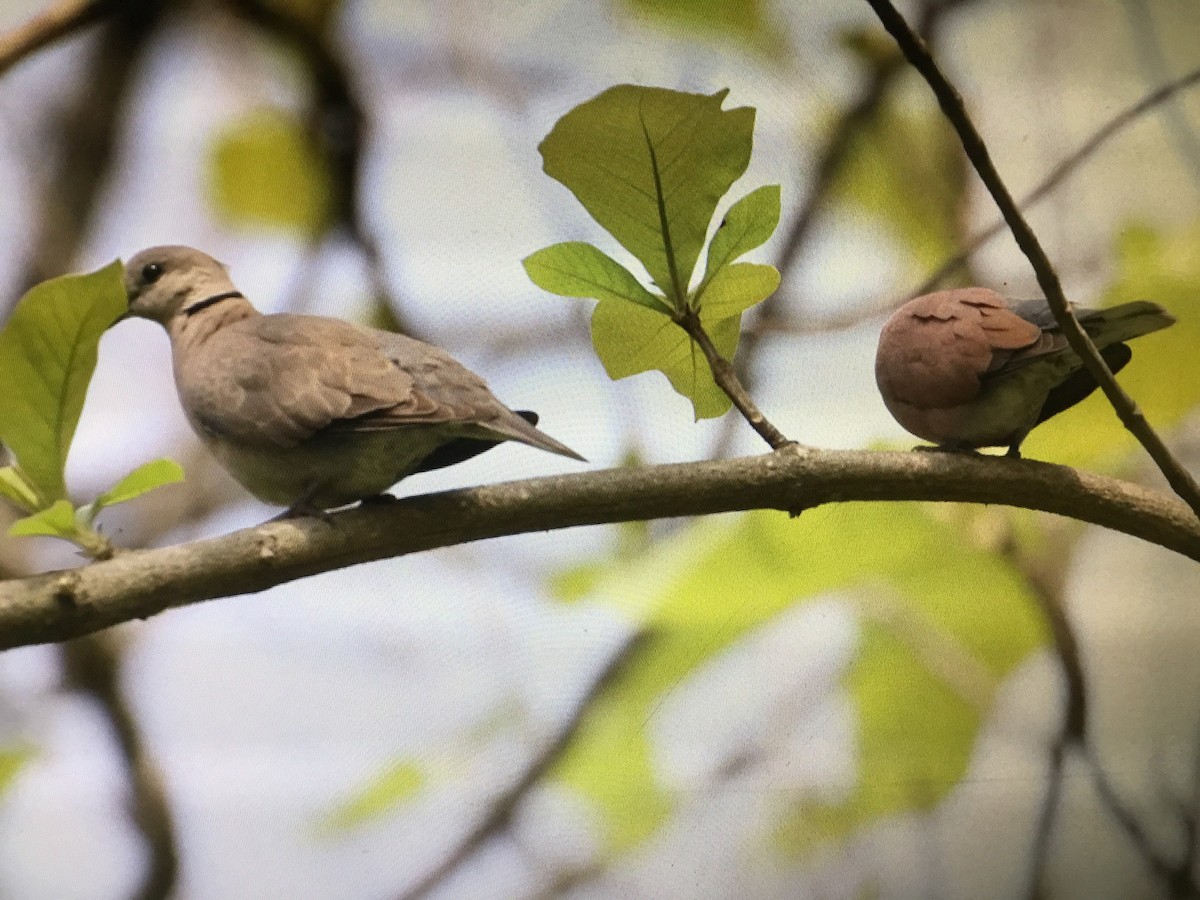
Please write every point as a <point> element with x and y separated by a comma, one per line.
<point>955,110</point>
<point>141,583</point>
<point>44,29</point>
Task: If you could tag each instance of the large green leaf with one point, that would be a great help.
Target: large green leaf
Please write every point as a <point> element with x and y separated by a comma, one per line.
<point>650,165</point>
<point>1160,377</point>
<point>948,605</point>
<point>632,339</point>
<point>577,269</point>
<point>47,354</point>
<point>266,172</point>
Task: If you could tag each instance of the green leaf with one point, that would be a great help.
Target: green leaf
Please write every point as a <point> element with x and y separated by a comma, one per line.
<point>632,339</point>
<point>905,169</point>
<point>398,783</point>
<point>748,22</point>
<point>749,223</point>
<point>145,477</point>
<point>56,521</point>
<point>650,165</point>
<point>577,269</point>
<point>265,172</point>
<point>736,288</point>
<point>47,355</point>
<point>949,607</point>
<point>18,491</point>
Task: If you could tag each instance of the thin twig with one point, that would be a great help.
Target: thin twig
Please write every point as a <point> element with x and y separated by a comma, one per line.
<point>93,666</point>
<point>54,24</point>
<point>952,105</point>
<point>502,808</point>
<point>727,380</point>
<point>1060,172</point>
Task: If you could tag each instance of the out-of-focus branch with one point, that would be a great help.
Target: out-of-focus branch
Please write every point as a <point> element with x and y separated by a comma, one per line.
<point>86,136</point>
<point>951,101</point>
<point>59,21</point>
<point>93,666</point>
<point>502,807</point>
<point>339,125</point>
<point>1061,171</point>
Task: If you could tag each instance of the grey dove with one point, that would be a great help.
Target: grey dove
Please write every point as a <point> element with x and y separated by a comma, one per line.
<point>310,412</point>
<point>963,368</point>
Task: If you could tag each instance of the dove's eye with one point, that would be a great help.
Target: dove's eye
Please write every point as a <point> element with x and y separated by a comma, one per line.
<point>151,272</point>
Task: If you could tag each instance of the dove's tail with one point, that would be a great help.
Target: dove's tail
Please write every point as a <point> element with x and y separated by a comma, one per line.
<point>521,426</point>
<point>1125,322</point>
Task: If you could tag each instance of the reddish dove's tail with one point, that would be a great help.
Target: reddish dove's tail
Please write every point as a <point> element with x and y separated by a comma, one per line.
<point>1125,322</point>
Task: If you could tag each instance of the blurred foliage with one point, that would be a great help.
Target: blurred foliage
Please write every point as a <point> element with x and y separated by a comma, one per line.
<point>941,623</point>
<point>747,22</point>
<point>265,172</point>
<point>399,783</point>
<point>650,165</point>
<point>48,352</point>
<point>12,761</point>
<point>316,14</point>
<point>1160,377</point>
<point>904,166</point>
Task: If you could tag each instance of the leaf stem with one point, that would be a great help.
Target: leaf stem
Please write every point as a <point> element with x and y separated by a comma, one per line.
<point>917,53</point>
<point>728,381</point>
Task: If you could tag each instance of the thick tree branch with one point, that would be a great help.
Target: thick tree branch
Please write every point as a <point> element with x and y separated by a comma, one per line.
<point>44,29</point>
<point>142,583</point>
<point>950,100</point>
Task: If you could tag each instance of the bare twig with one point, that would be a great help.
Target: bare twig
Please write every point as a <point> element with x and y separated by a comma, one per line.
<point>502,808</point>
<point>952,105</point>
<point>93,666</point>
<point>141,583</point>
<point>727,380</point>
<point>54,24</point>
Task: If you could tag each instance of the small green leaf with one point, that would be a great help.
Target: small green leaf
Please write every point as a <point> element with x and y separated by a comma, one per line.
<point>736,288</point>
<point>16,489</point>
<point>577,269</point>
<point>632,339</point>
<point>56,521</point>
<point>650,165</point>
<point>397,784</point>
<point>265,171</point>
<point>749,223</point>
<point>144,478</point>
<point>47,355</point>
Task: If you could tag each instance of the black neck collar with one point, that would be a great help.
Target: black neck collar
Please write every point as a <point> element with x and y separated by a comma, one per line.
<point>211,301</point>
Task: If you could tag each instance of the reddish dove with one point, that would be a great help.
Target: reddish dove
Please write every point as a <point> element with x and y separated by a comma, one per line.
<point>311,412</point>
<point>965,369</point>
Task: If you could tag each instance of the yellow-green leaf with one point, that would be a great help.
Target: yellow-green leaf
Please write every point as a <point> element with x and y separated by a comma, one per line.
<point>748,22</point>
<point>15,488</point>
<point>632,339</point>
<point>749,223</point>
<point>145,477</point>
<point>650,165</point>
<point>265,172</point>
<point>398,783</point>
<point>577,269</point>
<point>56,521</point>
<point>735,288</point>
<point>47,354</point>
<point>956,620</point>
